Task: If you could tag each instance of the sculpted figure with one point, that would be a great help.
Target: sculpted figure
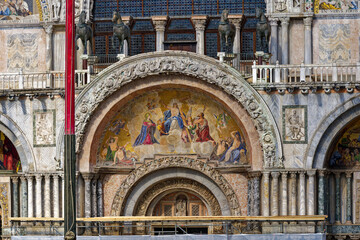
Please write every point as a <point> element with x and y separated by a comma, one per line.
<point>120,31</point>
<point>262,31</point>
<point>227,32</point>
<point>84,32</point>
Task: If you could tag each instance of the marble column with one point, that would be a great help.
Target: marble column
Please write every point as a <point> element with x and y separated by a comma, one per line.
<point>274,40</point>
<point>308,40</point>
<point>236,20</point>
<point>15,196</point>
<point>250,200</point>
<point>284,197</point>
<point>78,192</point>
<point>38,192</point>
<point>321,193</point>
<point>275,194</point>
<point>56,204</point>
<point>285,40</point>
<point>87,178</point>
<point>30,196</point>
<point>160,25</point>
<point>311,193</point>
<point>100,197</point>
<point>62,194</point>
<point>199,22</point>
<point>266,195</point>
<point>47,195</point>
<point>337,197</point>
<point>302,200</point>
<point>256,191</point>
<point>348,197</point>
<point>293,193</point>
<point>48,51</point>
<point>94,209</point>
<point>24,197</point>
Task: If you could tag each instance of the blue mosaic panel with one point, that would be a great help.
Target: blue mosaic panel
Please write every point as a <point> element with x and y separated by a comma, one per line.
<point>149,43</point>
<point>211,40</point>
<point>234,6</point>
<point>100,44</point>
<point>136,44</point>
<point>250,23</point>
<point>142,26</point>
<point>247,42</point>
<point>180,36</point>
<point>213,24</point>
<point>154,7</point>
<point>103,27</point>
<point>180,7</point>
<point>130,7</point>
<point>208,7</point>
<point>104,8</point>
<point>177,24</point>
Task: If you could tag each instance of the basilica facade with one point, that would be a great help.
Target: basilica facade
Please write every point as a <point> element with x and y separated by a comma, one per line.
<point>172,125</point>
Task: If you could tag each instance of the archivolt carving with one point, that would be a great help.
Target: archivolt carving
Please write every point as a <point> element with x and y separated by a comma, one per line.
<point>125,188</point>
<point>177,183</point>
<point>4,200</point>
<point>201,67</point>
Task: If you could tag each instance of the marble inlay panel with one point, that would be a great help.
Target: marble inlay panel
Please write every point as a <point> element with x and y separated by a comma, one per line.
<point>295,124</point>
<point>44,128</point>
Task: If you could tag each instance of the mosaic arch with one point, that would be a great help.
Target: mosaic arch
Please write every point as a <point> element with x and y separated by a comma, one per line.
<point>202,68</point>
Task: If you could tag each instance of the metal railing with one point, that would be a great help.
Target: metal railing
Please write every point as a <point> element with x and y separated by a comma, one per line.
<point>305,73</point>
<point>40,80</point>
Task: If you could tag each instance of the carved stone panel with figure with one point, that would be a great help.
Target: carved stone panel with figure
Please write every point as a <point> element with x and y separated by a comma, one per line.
<point>295,124</point>
<point>44,128</point>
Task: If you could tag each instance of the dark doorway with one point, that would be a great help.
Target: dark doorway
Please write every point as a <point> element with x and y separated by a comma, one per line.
<point>180,230</point>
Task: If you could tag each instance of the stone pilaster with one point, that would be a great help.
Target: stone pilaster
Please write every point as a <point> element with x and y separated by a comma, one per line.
<point>284,197</point>
<point>337,197</point>
<point>348,197</point>
<point>266,194</point>
<point>160,25</point>
<point>56,204</point>
<point>78,192</point>
<point>199,22</point>
<point>237,21</point>
<point>24,197</point>
<point>293,193</point>
<point>38,192</point>
<point>250,199</point>
<point>100,197</point>
<point>94,209</point>
<point>285,40</point>
<point>321,193</point>
<point>308,40</point>
<point>87,178</point>
<point>311,192</point>
<point>274,40</point>
<point>302,200</point>
<point>15,196</point>
<point>63,193</point>
<point>275,193</point>
<point>47,195</point>
<point>30,196</point>
<point>256,192</point>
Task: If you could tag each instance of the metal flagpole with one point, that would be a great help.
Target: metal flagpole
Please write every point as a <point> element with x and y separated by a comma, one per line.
<point>70,159</point>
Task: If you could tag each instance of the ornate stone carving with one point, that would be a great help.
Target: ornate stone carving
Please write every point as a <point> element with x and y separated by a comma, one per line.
<point>192,65</point>
<point>125,188</point>
<point>143,204</point>
<point>4,200</point>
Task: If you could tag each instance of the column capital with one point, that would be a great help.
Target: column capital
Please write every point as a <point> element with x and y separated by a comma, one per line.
<point>311,173</point>
<point>337,174</point>
<point>273,21</point>
<point>266,174</point>
<point>322,173</point>
<point>38,177</point>
<point>199,22</point>
<point>275,174</point>
<point>55,176</point>
<point>302,174</point>
<point>23,178</point>
<point>308,21</point>
<point>159,22</point>
<point>47,176</point>
<point>236,19</point>
<point>48,28</point>
<point>87,176</point>
<point>348,174</point>
<point>293,175</point>
<point>284,175</point>
<point>285,21</point>
<point>254,174</point>
<point>15,179</point>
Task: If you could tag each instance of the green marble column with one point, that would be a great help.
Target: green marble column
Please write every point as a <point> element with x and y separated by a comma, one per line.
<point>24,193</point>
<point>337,197</point>
<point>348,197</point>
<point>321,191</point>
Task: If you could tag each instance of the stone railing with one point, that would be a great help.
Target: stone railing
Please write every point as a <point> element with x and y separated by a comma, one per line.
<point>39,80</point>
<point>309,73</point>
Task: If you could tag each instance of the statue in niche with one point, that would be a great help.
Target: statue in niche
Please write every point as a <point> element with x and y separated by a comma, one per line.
<point>262,31</point>
<point>226,32</point>
<point>120,31</point>
<point>84,32</point>
<point>180,206</point>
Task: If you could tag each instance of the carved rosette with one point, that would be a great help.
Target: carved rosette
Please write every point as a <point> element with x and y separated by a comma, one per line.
<point>181,184</point>
<point>4,201</point>
<point>141,66</point>
<point>125,188</point>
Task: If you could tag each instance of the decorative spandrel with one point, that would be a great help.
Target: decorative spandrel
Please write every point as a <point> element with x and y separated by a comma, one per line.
<point>346,151</point>
<point>172,121</point>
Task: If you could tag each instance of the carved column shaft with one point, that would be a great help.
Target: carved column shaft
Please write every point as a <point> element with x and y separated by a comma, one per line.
<point>38,195</point>
<point>256,191</point>
<point>302,200</point>
<point>87,179</point>
<point>15,196</point>
<point>250,197</point>
<point>30,197</point>
<point>348,197</point>
<point>321,191</point>
<point>56,196</point>
<point>337,197</point>
<point>236,20</point>
<point>275,194</point>
<point>63,193</point>
<point>266,195</point>
<point>100,198</point>
<point>308,40</point>
<point>24,193</point>
<point>200,25</point>
<point>47,196</point>
<point>311,193</point>
<point>274,40</point>
<point>285,40</point>
<point>94,197</point>
<point>293,193</point>
<point>49,56</point>
<point>160,24</point>
<point>284,196</point>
